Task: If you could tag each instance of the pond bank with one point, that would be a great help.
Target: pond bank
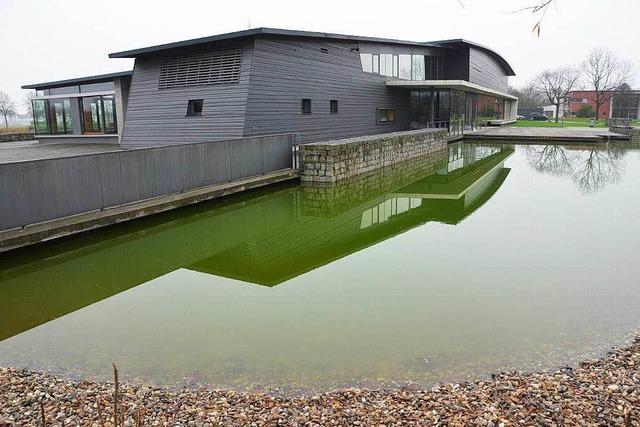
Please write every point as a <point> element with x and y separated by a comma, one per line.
<point>602,392</point>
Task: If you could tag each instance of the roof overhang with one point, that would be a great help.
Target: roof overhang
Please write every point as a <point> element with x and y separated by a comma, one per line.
<point>256,32</point>
<point>79,80</point>
<point>462,42</point>
<point>448,84</point>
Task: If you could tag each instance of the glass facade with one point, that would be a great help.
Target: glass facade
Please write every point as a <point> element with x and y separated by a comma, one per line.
<point>40,122</point>
<point>52,116</point>
<point>440,107</point>
<point>98,115</point>
<point>404,66</point>
<point>429,106</point>
<point>490,108</point>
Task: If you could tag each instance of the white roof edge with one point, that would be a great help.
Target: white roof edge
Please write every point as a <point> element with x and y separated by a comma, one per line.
<point>448,84</point>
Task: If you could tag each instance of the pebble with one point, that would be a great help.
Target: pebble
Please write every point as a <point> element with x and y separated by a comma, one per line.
<point>595,392</point>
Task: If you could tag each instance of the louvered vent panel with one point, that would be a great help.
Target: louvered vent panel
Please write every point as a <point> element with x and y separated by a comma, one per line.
<point>218,66</point>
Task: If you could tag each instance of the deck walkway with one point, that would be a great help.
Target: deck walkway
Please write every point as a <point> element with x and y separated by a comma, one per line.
<point>539,134</point>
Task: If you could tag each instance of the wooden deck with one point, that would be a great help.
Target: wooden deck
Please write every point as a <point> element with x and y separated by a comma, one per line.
<point>537,135</point>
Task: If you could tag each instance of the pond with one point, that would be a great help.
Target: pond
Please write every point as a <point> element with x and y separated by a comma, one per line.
<point>486,258</point>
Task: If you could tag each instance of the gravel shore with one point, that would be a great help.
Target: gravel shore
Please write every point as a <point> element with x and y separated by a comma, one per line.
<point>602,392</point>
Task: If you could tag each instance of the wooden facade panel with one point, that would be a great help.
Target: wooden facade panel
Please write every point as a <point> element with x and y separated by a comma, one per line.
<point>286,70</point>
<point>158,116</point>
<point>486,71</point>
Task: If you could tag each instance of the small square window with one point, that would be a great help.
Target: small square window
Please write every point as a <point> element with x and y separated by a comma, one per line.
<point>306,106</point>
<point>333,106</point>
<point>194,107</point>
<point>386,115</point>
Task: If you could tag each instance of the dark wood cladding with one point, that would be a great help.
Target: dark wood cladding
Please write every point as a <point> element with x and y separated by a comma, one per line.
<point>486,71</point>
<point>276,73</point>
<point>158,116</point>
<point>286,70</point>
<point>458,64</point>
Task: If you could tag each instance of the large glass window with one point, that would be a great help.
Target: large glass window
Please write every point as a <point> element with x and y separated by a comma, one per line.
<point>376,63</point>
<point>490,107</point>
<point>417,68</point>
<point>98,115</point>
<point>40,116</point>
<point>405,67</point>
<point>386,64</point>
<point>367,62</point>
<point>60,116</point>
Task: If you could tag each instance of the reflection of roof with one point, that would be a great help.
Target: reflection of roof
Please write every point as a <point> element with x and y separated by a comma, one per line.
<point>79,80</point>
<point>310,34</point>
<point>310,243</point>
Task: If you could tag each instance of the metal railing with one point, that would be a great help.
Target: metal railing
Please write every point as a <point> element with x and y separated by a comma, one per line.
<point>457,127</point>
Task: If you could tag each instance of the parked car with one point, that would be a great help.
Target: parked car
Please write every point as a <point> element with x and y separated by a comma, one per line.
<point>519,117</point>
<point>538,117</point>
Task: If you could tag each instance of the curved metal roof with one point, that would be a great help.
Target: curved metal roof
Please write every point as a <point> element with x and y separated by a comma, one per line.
<point>457,42</point>
<point>311,34</point>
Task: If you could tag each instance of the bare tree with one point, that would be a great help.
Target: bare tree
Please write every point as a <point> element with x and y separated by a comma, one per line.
<point>590,169</point>
<point>604,73</point>
<point>528,96</point>
<point>7,107</point>
<point>555,85</point>
<point>596,168</point>
<point>28,97</point>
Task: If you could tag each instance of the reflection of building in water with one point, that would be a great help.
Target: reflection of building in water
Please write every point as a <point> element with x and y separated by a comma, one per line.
<point>266,238</point>
<point>317,237</point>
<point>387,209</point>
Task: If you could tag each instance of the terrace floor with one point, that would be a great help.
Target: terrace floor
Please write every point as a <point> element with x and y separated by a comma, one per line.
<point>22,151</point>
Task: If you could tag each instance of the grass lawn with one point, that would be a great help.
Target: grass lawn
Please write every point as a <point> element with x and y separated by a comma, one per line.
<point>570,122</point>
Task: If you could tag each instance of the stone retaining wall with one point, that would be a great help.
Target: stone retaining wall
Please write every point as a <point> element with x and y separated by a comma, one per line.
<point>632,132</point>
<point>322,200</point>
<point>8,137</point>
<point>333,161</point>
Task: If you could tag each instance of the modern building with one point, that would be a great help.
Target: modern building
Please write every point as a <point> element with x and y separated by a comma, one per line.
<point>620,104</point>
<point>264,81</point>
<point>91,108</point>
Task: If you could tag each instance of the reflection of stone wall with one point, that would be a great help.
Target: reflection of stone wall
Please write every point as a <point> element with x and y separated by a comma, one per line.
<point>632,132</point>
<point>330,199</point>
<point>337,160</point>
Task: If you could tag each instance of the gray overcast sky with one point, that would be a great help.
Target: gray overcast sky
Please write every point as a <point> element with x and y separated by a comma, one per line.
<point>57,39</point>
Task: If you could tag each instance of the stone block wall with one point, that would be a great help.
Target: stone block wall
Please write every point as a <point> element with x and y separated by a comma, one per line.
<point>331,199</point>
<point>632,132</point>
<point>337,160</point>
<point>9,137</point>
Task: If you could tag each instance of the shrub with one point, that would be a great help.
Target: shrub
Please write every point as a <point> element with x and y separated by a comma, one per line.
<point>586,111</point>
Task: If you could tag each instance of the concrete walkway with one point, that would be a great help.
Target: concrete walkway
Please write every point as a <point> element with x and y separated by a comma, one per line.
<point>539,134</point>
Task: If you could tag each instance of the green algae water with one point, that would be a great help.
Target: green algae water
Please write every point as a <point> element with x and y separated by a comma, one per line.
<point>485,258</point>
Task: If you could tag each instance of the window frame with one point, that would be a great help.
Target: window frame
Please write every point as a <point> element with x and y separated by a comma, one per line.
<point>305,106</point>
<point>191,104</point>
<point>379,119</point>
<point>333,106</point>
